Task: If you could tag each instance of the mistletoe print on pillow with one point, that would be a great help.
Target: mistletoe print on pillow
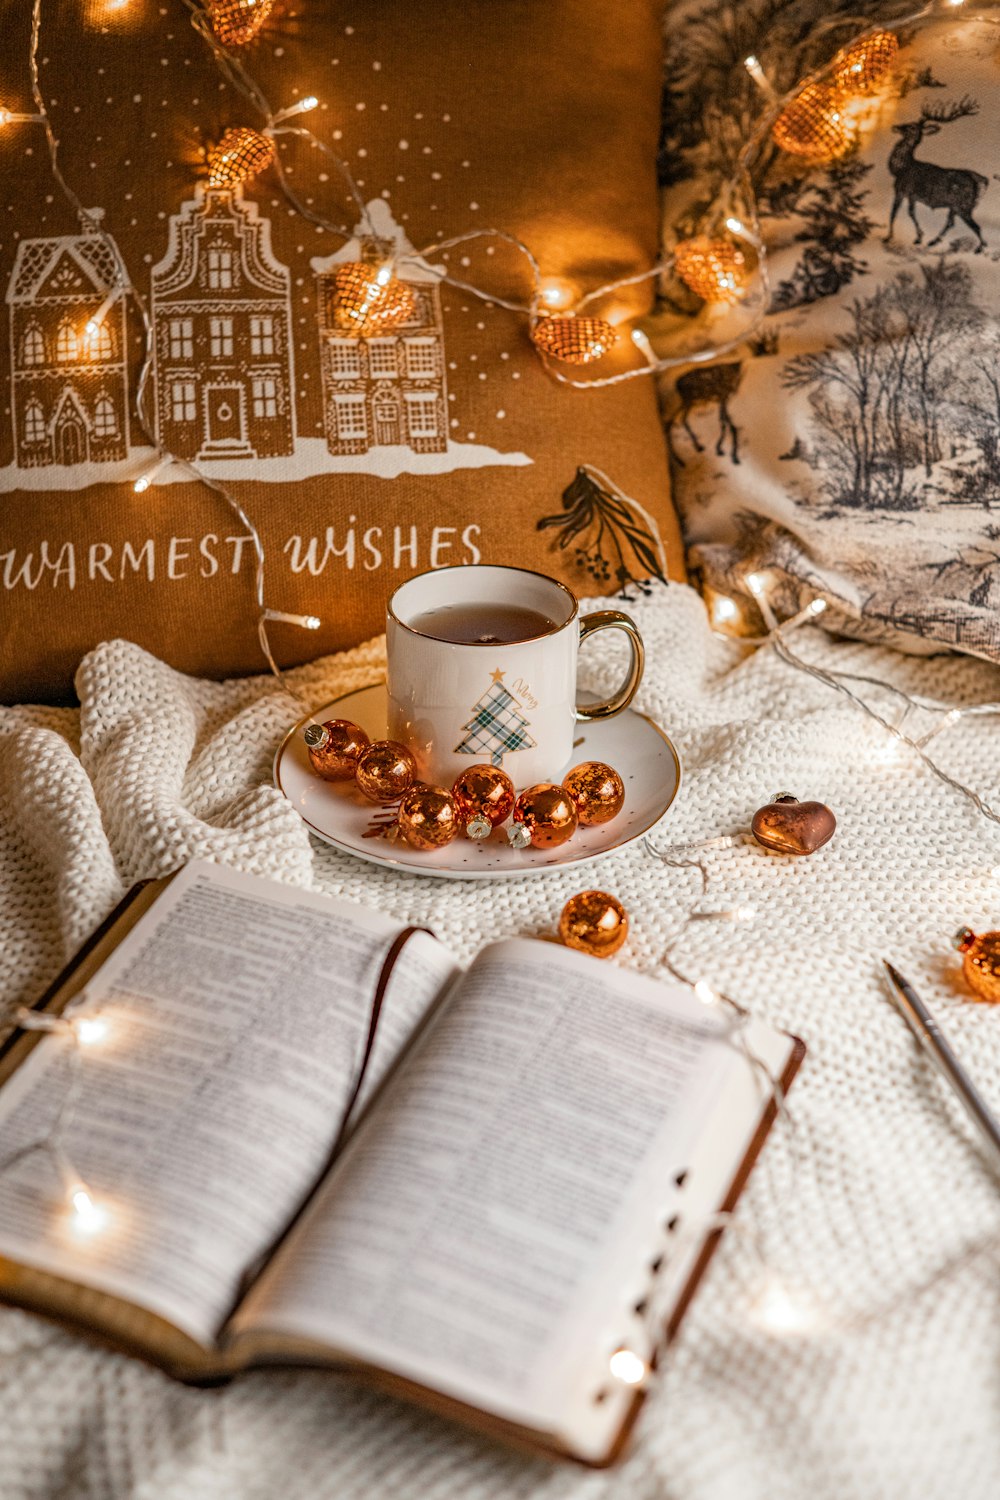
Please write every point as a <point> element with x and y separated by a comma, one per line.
<point>373,417</point>
<point>852,449</point>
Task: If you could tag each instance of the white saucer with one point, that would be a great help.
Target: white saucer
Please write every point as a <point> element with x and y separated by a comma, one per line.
<point>336,811</point>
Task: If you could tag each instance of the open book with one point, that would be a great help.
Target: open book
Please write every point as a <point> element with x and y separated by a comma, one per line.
<point>530,1165</point>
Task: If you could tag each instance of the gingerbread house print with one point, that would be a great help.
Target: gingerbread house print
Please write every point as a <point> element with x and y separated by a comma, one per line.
<point>69,385</point>
<point>387,390</point>
<point>222,333</point>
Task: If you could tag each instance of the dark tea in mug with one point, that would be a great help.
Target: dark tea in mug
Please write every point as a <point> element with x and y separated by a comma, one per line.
<point>493,624</point>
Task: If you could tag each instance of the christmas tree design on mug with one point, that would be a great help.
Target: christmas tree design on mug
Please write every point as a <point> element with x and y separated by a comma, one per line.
<point>497,725</point>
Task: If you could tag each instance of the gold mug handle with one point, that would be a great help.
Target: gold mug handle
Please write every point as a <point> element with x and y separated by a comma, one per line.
<point>613,619</point>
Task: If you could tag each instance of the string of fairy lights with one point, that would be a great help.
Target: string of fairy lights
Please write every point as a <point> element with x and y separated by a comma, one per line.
<point>724,265</point>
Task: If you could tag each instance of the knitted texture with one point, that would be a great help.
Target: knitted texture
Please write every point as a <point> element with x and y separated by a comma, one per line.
<point>877,1214</point>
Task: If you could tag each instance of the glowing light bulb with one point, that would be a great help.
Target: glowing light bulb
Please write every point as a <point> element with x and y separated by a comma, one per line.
<point>735,226</point>
<point>778,1312</point>
<point>817,606</point>
<point>628,1367</point>
<point>146,479</point>
<point>744,914</point>
<point>556,293</point>
<point>704,992</point>
<point>88,1217</point>
<point>306,622</point>
<point>724,609</point>
<point>5,116</point>
<point>309,102</point>
<point>91,1029</point>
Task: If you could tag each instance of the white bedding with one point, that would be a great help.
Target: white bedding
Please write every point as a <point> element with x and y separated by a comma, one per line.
<point>884,1235</point>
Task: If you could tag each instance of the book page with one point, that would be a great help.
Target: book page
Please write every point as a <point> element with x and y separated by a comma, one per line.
<point>464,1241</point>
<point>234,1019</point>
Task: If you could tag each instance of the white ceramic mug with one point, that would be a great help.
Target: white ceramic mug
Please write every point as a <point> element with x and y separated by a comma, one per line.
<point>510,704</point>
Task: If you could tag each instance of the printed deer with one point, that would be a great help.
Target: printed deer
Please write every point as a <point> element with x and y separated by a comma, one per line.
<point>707,385</point>
<point>953,188</point>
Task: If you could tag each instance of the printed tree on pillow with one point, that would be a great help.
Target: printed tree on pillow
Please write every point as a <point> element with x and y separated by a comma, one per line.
<point>497,725</point>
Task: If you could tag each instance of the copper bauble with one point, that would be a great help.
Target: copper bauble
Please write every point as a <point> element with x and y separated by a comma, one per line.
<point>813,124</point>
<point>597,790</point>
<point>548,813</point>
<point>428,818</point>
<point>789,826</point>
<point>240,155</point>
<point>716,270</point>
<point>981,962</point>
<point>595,923</point>
<point>576,341</point>
<point>484,797</point>
<point>236,22</point>
<point>863,65</point>
<point>385,771</point>
<point>335,747</point>
<point>368,299</point>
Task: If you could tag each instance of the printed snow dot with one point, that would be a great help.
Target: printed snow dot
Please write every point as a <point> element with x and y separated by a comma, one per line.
<point>451,395</point>
<point>404,146</point>
<point>473,357</point>
<point>452,365</point>
<point>501,415</point>
<point>465,164</point>
<point>148,259</point>
<point>427,151</point>
<point>418,117</point>
<point>446,119</point>
<point>505,355</point>
<point>482,374</point>
<point>473,206</point>
<point>376,67</point>
<point>338,135</point>
<point>136,98</point>
<point>279,51</point>
<point>435,177</point>
<point>454,421</point>
<point>470,436</point>
<point>400,177</point>
<point>491,249</point>
<point>386,193</point>
<point>362,151</point>
<point>480,325</point>
<point>516,375</point>
<point>383,107</point>
<point>348,30</point>
<point>360,105</point>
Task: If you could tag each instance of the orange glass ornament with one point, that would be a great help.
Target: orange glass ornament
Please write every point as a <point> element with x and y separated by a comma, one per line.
<point>576,341</point>
<point>385,771</point>
<point>863,65</point>
<point>980,962</point>
<point>236,22</point>
<point>240,155</point>
<point>548,814</point>
<point>335,748</point>
<point>594,923</point>
<point>484,797</point>
<point>716,270</point>
<point>812,124</point>
<point>428,817</point>
<point>597,790</point>
<point>369,299</point>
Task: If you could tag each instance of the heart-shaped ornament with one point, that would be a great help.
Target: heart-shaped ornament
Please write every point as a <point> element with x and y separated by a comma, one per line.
<point>789,826</point>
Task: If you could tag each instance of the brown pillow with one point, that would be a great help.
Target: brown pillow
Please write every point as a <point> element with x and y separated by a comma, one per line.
<point>362,461</point>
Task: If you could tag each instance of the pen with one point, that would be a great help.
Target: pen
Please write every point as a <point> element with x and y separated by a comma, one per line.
<point>929,1035</point>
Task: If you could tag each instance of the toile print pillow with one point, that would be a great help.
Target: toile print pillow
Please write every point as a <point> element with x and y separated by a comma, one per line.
<point>362,460</point>
<point>852,448</point>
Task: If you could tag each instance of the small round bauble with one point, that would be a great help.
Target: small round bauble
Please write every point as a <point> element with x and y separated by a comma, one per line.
<point>597,790</point>
<point>428,818</point>
<point>980,962</point>
<point>788,826</point>
<point>595,923</point>
<point>335,747</point>
<point>385,771</point>
<point>484,797</point>
<point>548,813</point>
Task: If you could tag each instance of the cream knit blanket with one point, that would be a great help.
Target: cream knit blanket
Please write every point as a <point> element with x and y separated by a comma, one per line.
<point>871,1230</point>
